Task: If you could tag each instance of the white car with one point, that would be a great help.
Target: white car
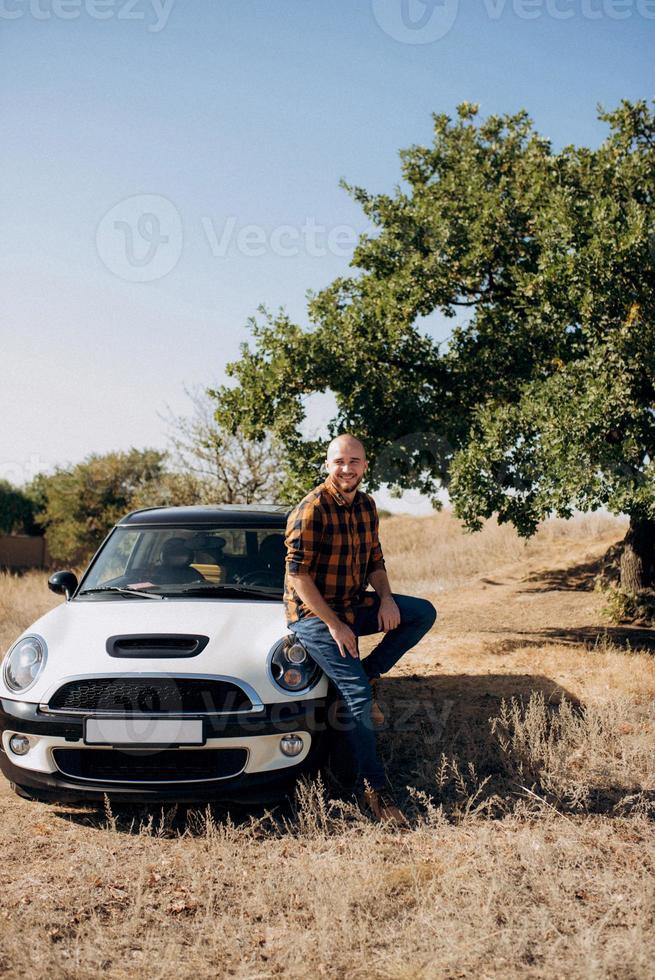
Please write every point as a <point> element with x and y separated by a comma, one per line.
<point>169,672</point>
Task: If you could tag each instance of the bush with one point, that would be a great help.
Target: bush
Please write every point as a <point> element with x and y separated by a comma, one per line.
<point>637,608</point>
<point>17,510</point>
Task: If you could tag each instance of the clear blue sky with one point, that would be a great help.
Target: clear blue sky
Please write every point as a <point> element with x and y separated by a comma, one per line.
<point>237,113</point>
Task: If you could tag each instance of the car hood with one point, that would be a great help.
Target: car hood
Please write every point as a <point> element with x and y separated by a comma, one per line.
<point>241,633</point>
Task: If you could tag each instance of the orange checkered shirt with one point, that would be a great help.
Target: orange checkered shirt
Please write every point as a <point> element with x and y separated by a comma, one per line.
<point>337,544</point>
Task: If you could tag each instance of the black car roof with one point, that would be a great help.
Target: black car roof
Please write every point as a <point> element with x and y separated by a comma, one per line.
<point>243,515</point>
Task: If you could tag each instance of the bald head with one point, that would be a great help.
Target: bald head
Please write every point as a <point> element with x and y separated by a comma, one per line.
<point>346,445</point>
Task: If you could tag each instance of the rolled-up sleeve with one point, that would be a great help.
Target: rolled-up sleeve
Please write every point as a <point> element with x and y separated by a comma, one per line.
<point>303,536</point>
<point>376,560</point>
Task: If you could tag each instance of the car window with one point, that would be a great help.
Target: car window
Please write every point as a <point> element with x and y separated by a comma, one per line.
<point>170,559</point>
<point>118,557</point>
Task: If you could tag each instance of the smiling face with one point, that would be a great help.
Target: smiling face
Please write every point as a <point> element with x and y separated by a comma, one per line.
<point>346,463</point>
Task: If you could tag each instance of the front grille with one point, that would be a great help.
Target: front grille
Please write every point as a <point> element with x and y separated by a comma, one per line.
<point>150,695</point>
<point>162,766</point>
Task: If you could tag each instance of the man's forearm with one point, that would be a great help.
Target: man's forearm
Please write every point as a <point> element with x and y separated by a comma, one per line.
<point>380,583</point>
<point>306,588</point>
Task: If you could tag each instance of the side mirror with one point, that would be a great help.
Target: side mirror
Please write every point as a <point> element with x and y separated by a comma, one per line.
<point>63,583</point>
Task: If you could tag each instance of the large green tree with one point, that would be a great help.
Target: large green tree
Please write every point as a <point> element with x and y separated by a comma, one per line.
<point>542,400</point>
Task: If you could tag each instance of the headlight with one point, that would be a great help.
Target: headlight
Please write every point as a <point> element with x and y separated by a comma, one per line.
<point>24,663</point>
<point>291,666</point>
<point>296,652</point>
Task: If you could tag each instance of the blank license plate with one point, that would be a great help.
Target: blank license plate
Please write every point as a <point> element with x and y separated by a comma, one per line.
<point>143,731</point>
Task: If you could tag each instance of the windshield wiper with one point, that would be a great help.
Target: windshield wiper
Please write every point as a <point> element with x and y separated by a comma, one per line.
<point>123,591</point>
<point>228,587</point>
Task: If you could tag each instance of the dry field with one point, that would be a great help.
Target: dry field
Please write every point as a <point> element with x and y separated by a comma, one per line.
<point>520,742</point>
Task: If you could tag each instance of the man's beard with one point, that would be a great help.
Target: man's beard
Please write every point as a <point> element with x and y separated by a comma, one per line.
<point>351,487</point>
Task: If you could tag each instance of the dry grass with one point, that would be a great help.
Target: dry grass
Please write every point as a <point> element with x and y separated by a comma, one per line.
<point>22,599</point>
<point>535,894</point>
<point>520,744</point>
<point>428,554</point>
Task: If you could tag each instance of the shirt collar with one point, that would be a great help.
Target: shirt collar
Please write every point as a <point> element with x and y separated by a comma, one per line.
<point>338,496</point>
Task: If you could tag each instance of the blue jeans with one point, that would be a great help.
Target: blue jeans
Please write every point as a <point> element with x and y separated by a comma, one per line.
<point>351,676</point>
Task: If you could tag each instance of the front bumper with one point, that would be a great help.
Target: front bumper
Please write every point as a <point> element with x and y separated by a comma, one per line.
<point>266,775</point>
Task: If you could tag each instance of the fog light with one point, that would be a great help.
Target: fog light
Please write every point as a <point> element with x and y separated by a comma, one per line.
<point>293,677</point>
<point>19,744</point>
<point>291,744</point>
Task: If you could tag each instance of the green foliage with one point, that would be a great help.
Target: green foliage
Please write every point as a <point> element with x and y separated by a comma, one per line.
<point>543,399</point>
<point>637,608</point>
<point>581,438</point>
<point>16,510</point>
<point>81,503</point>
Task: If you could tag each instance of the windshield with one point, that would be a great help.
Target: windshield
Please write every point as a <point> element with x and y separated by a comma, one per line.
<point>186,560</point>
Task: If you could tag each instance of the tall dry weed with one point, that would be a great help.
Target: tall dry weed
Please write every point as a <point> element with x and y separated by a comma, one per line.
<point>578,757</point>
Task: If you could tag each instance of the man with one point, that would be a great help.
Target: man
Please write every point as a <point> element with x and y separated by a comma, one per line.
<point>175,566</point>
<point>333,551</point>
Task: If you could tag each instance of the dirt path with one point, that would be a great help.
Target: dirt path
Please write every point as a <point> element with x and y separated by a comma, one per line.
<point>539,605</point>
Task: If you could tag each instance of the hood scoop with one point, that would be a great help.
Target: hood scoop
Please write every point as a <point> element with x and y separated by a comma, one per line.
<point>156,645</point>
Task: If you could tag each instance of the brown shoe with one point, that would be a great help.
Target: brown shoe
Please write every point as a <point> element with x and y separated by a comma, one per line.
<point>377,716</point>
<point>383,806</point>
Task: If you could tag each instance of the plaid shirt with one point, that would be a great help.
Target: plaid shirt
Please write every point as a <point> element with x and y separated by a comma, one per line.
<point>337,544</point>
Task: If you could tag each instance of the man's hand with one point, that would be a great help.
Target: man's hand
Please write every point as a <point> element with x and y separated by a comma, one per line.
<point>341,633</point>
<point>388,614</point>
<point>388,611</point>
<point>345,639</point>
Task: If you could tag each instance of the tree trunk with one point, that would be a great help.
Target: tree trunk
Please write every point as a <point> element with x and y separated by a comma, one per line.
<point>638,556</point>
